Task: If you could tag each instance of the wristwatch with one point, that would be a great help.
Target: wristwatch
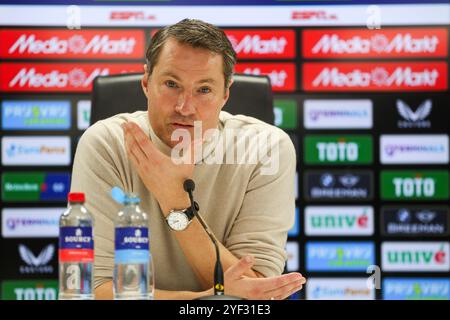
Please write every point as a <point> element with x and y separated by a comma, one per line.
<point>178,220</point>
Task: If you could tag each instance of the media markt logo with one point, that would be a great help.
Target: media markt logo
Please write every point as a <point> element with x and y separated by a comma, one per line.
<point>415,221</point>
<point>35,186</point>
<point>285,112</point>
<point>416,289</point>
<point>338,220</point>
<point>339,256</point>
<point>338,185</point>
<point>36,264</point>
<point>415,256</point>
<point>36,115</point>
<point>414,119</point>
<point>337,149</point>
<point>30,290</point>
<point>414,185</point>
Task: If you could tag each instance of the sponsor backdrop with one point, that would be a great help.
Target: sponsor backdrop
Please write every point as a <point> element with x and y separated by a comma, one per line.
<point>367,109</point>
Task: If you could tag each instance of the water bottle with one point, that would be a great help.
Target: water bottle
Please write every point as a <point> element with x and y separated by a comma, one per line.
<point>133,265</point>
<point>76,251</point>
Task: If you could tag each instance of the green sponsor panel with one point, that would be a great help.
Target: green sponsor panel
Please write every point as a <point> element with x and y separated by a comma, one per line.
<point>414,185</point>
<point>338,149</point>
<point>22,186</point>
<point>285,113</point>
<point>30,290</point>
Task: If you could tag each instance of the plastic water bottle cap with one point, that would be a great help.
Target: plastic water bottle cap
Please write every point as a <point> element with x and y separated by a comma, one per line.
<point>118,195</point>
<point>76,197</point>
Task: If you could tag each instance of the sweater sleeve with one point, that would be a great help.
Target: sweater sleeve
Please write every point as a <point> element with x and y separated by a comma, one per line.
<point>268,211</point>
<point>99,166</point>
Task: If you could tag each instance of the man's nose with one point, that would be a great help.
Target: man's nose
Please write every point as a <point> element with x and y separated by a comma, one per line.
<point>185,105</point>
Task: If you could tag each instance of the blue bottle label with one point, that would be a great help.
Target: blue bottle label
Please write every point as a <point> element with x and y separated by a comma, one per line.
<point>131,245</point>
<point>76,238</point>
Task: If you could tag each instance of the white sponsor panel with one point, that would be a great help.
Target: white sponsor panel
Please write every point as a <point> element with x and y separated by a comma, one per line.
<point>38,151</point>
<point>292,251</point>
<point>338,114</point>
<point>415,256</point>
<point>338,289</point>
<point>146,16</point>
<point>413,149</point>
<point>83,114</point>
<point>31,222</point>
<point>339,220</point>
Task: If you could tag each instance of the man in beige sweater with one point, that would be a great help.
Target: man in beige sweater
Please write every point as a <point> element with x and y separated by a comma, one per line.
<point>248,205</point>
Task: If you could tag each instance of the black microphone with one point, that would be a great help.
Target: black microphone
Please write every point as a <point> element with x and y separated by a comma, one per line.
<point>219,286</point>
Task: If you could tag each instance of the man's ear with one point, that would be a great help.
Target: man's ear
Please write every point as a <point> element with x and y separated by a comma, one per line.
<point>144,80</point>
<point>227,92</point>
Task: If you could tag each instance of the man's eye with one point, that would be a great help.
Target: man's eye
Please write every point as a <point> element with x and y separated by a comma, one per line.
<point>205,90</point>
<point>171,84</point>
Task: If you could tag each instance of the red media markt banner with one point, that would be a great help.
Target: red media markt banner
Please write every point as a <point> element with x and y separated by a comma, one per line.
<point>262,44</point>
<point>57,77</point>
<point>71,44</point>
<point>375,76</point>
<point>282,75</point>
<point>383,43</point>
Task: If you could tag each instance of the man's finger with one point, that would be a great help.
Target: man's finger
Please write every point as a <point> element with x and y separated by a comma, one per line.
<point>143,142</point>
<point>285,291</point>
<point>238,269</point>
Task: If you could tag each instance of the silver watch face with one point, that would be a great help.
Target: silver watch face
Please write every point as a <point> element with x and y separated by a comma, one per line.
<point>177,220</point>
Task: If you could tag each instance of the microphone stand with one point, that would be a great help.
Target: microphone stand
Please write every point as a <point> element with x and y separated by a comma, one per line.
<point>219,287</point>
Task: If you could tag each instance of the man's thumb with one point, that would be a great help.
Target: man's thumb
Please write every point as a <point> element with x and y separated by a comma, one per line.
<point>239,268</point>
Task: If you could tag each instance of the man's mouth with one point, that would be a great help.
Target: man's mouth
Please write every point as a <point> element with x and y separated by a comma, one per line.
<point>180,125</point>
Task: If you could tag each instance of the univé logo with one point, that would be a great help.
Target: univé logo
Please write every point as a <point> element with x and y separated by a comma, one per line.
<point>338,220</point>
<point>263,43</point>
<point>385,43</point>
<point>57,76</point>
<point>416,256</point>
<point>36,264</point>
<point>52,43</point>
<point>431,76</point>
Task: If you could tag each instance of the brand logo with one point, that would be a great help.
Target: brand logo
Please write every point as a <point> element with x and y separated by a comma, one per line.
<point>30,222</point>
<point>416,289</point>
<point>338,185</point>
<point>69,44</point>
<point>348,149</point>
<point>292,251</point>
<point>266,44</point>
<point>339,256</point>
<point>414,185</point>
<point>411,149</point>
<point>57,77</point>
<point>131,15</point>
<point>383,43</point>
<point>29,150</point>
<point>319,15</point>
<point>30,290</point>
<point>83,114</point>
<point>36,264</point>
<point>35,186</point>
<point>415,256</point>
<point>285,112</point>
<point>414,119</point>
<point>338,114</point>
<point>387,76</point>
<point>338,289</point>
<point>338,220</point>
<point>415,221</point>
<point>36,115</point>
<point>282,75</point>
